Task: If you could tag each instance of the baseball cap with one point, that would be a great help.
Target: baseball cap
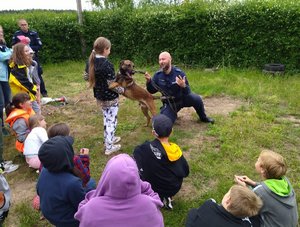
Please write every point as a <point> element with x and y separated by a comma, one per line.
<point>162,125</point>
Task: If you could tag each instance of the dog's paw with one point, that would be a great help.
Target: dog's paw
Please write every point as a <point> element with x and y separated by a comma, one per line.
<point>113,85</point>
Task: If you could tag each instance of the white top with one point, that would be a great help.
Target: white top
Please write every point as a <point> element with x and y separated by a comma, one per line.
<point>34,141</point>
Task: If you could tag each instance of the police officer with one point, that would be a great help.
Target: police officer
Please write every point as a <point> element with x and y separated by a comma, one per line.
<point>35,44</point>
<point>173,84</point>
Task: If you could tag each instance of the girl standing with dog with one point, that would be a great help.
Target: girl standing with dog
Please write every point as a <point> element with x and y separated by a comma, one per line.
<point>101,74</point>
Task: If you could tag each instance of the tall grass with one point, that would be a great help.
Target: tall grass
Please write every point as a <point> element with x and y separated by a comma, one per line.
<point>214,152</point>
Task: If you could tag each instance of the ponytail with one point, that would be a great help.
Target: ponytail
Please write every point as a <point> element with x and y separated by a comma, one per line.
<point>92,69</point>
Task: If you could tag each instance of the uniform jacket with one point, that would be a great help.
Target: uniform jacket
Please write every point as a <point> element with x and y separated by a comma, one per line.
<point>35,41</point>
<point>167,84</point>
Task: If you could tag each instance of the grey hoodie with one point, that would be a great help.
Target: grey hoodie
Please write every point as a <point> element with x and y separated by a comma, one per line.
<point>280,206</point>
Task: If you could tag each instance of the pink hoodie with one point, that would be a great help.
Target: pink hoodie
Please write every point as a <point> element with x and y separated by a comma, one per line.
<point>121,198</point>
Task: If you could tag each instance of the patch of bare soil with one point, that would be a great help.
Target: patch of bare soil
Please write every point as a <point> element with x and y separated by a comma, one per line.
<point>187,119</point>
<point>290,118</point>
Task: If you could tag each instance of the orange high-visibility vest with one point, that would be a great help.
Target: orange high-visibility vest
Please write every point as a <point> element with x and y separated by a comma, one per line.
<point>17,114</point>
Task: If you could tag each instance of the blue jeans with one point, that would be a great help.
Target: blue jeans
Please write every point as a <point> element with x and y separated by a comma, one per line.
<point>191,100</point>
<point>5,97</point>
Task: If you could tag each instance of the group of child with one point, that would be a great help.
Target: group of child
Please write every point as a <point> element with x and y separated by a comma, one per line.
<point>123,195</point>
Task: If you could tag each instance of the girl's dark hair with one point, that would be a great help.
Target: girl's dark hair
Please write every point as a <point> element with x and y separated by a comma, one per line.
<point>16,102</point>
<point>59,129</point>
<point>100,44</point>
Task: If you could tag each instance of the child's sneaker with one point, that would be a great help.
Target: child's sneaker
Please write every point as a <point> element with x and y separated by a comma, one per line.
<point>168,203</point>
<point>113,149</point>
<point>117,139</point>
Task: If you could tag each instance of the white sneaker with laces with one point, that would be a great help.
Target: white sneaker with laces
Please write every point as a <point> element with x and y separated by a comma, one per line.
<point>8,168</point>
<point>113,149</point>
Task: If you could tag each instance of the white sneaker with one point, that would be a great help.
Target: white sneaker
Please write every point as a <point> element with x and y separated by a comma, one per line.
<point>10,168</point>
<point>116,139</point>
<point>113,149</point>
<point>7,162</point>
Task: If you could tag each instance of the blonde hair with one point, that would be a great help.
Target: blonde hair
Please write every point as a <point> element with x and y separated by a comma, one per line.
<point>243,202</point>
<point>2,41</point>
<point>273,164</point>
<point>100,44</point>
<point>34,120</point>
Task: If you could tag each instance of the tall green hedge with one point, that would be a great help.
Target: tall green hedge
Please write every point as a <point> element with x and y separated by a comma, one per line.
<point>246,34</point>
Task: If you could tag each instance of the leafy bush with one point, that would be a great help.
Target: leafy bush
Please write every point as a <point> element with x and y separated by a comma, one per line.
<point>244,34</point>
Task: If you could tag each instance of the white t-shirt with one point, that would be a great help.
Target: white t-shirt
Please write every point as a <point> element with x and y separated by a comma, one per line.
<point>34,141</point>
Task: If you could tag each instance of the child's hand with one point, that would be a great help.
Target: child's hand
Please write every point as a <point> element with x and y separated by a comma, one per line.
<point>244,180</point>
<point>239,180</point>
<point>84,151</point>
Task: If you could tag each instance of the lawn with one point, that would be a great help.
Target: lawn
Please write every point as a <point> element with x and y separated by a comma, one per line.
<point>252,111</point>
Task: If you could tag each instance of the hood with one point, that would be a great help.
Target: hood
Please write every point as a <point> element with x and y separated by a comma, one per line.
<point>281,190</point>
<point>57,153</point>
<point>173,151</point>
<point>120,178</point>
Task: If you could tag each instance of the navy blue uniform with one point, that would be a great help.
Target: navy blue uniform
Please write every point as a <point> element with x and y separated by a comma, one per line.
<point>182,97</point>
<point>36,45</point>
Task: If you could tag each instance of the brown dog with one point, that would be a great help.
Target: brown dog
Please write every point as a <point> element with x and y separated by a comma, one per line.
<point>132,90</point>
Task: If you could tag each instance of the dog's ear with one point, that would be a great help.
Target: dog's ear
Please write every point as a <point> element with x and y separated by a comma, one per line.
<point>121,63</point>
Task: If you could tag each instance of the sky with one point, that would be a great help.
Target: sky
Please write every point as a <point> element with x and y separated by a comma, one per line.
<point>43,4</point>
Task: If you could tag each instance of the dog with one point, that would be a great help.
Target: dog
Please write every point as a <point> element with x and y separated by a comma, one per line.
<point>132,90</point>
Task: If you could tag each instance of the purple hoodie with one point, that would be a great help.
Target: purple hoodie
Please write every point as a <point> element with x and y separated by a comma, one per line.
<point>121,198</point>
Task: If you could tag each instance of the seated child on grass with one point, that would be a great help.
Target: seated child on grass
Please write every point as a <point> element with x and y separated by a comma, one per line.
<point>161,162</point>
<point>81,161</point>
<point>237,205</point>
<point>35,139</point>
<point>18,113</point>
<point>276,192</point>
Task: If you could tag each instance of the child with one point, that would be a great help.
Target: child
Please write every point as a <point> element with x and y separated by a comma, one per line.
<point>161,162</point>
<point>20,79</point>
<point>237,204</point>
<point>35,139</point>
<point>276,192</point>
<point>81,162</point>
<point>121,198</point>
<point>58,187</point>
<point>101,74</point>
<point>18,113</point>
<point>4,198</point>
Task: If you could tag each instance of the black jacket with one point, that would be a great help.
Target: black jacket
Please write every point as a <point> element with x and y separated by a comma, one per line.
<point>104,72</point>
<point>154,166</point>
<point>211,214</point>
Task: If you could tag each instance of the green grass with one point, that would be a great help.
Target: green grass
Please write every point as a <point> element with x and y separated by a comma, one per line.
<point>214,152</point>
